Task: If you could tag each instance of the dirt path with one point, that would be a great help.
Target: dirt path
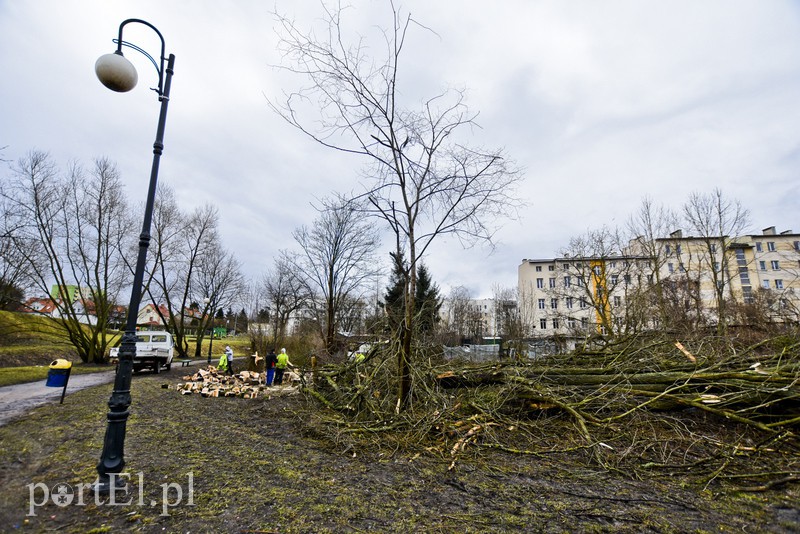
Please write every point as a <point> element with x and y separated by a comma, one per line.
<point>18,399</point>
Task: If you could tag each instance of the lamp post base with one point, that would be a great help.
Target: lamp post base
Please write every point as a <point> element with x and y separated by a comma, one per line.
<point>112,483</point>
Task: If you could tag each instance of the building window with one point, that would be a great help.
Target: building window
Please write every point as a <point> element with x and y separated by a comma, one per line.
<point>797,246</point>
<point>541,304</point>
<point>667,249</point>
<point>538,268</point>
<point>771,246</point>
<point>571,322</point>
<point>775,265</point>
<point>614,279</point>
<point>540,283</point>
<point>565,266</point>
<point>555,323</point>
<point>759,248</point>
<point>762,265</point>
<point>554,304</point>
<point>677,250</point>
<point>543,324</point>
<point>627,278</point>
<point>650,278</point>
<point>613,264</point>
<point>569,303</point>
<point>681,268</point>
<point>765,284</point>
<point>583,303</point>
<point>567,281</point>
<point>552,282</point>
<point>778,284</point>
<point>584,322</point>
<point>579,281</point>
<point>713,248</point>
<point>716,266</point>
<point>670,268</point>
<point>551,267</point>
<point>617,301</point>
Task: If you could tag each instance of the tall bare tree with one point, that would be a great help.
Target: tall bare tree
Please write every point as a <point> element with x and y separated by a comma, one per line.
<point>336,263</point>
<point>189,267</point>
<point>71,230</point>
<point>511,319</point>
<point>423,182</point>
<point>716,220</point>
<point>285,294</point>
<point>13,274</point>
<point>647,226</point>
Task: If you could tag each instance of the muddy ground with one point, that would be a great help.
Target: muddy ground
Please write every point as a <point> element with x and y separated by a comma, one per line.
<point>259,465</point>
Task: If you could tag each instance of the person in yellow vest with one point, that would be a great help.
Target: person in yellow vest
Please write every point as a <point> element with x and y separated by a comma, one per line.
<point>229,357</point>
<point>280,367</point>
<point>222,366</point>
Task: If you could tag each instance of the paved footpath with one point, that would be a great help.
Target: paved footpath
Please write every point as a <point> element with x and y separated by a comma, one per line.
<point>17,399</point>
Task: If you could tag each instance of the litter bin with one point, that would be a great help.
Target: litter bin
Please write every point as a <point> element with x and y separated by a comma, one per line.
<point>58,374</point>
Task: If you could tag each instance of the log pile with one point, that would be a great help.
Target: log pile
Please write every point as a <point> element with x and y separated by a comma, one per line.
<point>210,382</point>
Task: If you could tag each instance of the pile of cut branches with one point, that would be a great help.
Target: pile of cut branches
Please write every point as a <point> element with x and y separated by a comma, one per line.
<point>707,409</point>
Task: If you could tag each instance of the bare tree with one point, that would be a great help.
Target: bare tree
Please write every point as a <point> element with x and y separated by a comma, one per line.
<point>512,323</point>
<point>286,295</point>
<point>716,220</point>
<point>14,280</point>
<point>423,183</point>
<point>185,257</point>
<point>219,276</point>
<point>71,231</point>
<point>337,262</point>
<point>647,226</point>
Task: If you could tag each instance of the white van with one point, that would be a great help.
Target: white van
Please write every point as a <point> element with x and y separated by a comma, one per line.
<point>154,349</point>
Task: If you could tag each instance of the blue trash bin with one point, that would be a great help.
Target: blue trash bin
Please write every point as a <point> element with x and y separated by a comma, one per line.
<point>58,373</point>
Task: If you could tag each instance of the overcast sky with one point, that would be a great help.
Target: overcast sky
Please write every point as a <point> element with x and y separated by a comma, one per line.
<point>601,104</point>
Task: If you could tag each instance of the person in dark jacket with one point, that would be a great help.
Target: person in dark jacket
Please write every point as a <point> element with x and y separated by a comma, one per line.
<point>270,362</point>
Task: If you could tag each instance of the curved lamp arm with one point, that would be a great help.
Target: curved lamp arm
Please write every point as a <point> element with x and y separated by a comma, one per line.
<point>119,74</point>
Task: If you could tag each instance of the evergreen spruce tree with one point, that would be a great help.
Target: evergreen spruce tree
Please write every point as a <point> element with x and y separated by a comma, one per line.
<point>394,299</point>
<point>428,301</point>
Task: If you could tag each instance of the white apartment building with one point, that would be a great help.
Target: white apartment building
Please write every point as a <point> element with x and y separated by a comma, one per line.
<point>470,317</point>
<point>692,278</point>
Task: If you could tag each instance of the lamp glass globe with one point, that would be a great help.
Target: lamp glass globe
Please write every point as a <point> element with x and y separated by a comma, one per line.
<point>116,72</point>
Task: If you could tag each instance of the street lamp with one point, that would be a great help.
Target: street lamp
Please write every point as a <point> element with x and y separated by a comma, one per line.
<point>211,321</point>
<point>118,74</point>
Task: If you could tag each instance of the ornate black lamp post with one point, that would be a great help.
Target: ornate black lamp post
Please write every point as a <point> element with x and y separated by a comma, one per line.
<point>118,74</point>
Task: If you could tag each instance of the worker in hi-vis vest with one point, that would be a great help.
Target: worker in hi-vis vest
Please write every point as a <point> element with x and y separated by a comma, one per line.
<point>222,366</point>
<point>280,367</point>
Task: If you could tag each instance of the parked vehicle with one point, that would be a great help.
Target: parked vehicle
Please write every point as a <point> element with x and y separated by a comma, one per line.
<point>154,350</point>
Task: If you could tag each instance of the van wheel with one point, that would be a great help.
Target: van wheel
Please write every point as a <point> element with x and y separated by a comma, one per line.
<point>168,366</point>
<point>157,367</point>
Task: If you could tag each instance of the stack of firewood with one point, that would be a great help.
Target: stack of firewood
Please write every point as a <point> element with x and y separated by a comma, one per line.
<point>210,382</point>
